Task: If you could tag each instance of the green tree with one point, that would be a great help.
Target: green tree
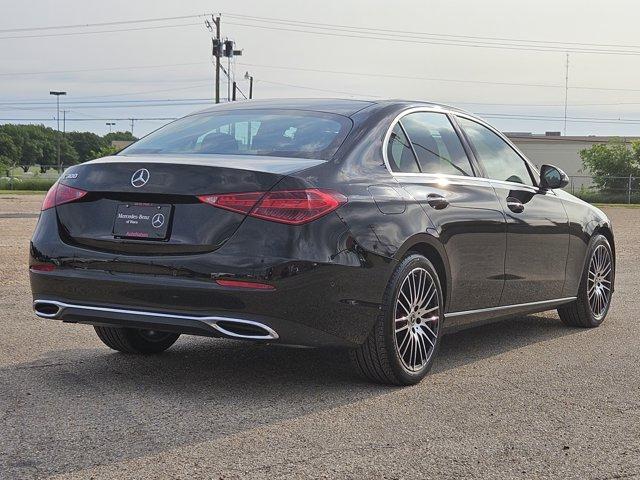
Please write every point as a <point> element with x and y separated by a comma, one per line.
<point>126,136</point>
<point>85,143</point>
<point>9,152</point>
<point>103,152</point>
<point>614,159</point>
<point>37,145</point>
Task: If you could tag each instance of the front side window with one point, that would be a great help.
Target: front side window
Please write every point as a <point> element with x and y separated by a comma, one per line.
<point>249,132</point>
<point>500,161</point>
<point>436,144</point>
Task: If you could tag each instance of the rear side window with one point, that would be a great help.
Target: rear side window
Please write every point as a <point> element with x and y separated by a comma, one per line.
<point>249,132</point>
<point>399,153</point>
<point>436,144</point>
<point>500,161</point>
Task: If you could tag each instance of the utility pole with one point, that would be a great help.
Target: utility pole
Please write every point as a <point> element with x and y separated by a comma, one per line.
<point>64,123</point>
<point>250,78</point>
<point>220,49</point>
<point>217,22</point>
<point>566,94</point>
<point>57,95</point>
<point>216,51</point>
<point>132,120</point>
<point>228,78</point>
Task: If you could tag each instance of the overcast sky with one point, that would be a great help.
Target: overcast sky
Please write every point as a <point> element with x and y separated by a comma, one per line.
<point>293,60</point>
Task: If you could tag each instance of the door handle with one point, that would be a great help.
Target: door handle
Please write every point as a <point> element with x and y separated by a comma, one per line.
<point>515,205</point>
<point>437,201</point>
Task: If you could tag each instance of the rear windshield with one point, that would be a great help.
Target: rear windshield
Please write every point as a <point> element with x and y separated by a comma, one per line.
<point>281,133</point>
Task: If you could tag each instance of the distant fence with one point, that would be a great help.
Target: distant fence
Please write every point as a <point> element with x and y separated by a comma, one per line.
<point>29,178</point>
<point>605,189</point>
<point>610,189</point>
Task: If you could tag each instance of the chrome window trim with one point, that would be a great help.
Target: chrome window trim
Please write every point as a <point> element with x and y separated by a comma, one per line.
<point>524,158</point>
<point>396,120</point>
<point>436,177</point>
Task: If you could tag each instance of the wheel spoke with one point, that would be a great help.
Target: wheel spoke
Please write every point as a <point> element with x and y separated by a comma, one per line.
<point>419,289</point>
<point>419,354</point>
<point>407,306</point>
<point>402,329</point>
<point>422,313</point>
<point>430,331</point>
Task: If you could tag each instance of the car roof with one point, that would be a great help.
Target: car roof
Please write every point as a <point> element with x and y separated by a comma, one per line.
<point>340,106</point>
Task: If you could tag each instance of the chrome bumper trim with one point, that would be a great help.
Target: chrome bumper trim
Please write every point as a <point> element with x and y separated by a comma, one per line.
<point>212,321</point>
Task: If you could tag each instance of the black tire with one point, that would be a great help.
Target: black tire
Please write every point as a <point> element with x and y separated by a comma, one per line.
<point>132,340</point>
<point>378,358</point>
<point>579,313</point>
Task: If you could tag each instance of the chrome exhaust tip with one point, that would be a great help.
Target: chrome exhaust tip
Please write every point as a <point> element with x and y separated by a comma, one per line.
<point>47,309</point>
<point>246,329</point>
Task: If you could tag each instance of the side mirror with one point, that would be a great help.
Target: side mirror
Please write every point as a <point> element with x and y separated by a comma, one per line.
<point>552,177</point>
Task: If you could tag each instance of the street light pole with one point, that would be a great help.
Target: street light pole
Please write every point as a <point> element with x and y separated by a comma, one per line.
<point>57,94</point>
<point>110,124</point>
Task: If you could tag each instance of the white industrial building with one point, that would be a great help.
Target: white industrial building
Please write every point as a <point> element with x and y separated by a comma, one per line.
<point>561,151</point>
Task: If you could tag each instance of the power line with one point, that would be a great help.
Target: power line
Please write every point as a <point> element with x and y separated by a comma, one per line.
<point>101,69</point>
<point>515,116</point>
<point>459,43</point>
<point>317,70</point>
<point>338,72</point>
<point>315,89</point>
<point>351,31</point>
<point>98,31</point>
<point>53,119</point>
<point>547,118</point>
<point>84,102</point>
<point>427,34</point>
<point>38,106</point>
<point>375,30</point>
<point>408,77</point>
<point>101,24</point>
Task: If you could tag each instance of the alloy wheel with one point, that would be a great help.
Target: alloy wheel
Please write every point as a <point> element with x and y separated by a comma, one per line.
<point>599,281</point>
<point>416,319</point>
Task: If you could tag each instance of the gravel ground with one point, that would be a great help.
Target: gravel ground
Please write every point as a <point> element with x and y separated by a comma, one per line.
<point>523,398</point>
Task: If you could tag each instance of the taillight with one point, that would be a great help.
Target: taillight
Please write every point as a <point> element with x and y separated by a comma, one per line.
<point>43,267</point>
<point>227,282</point>
<point>293,207</point>
<point>236,202</point>
<point>60,193</point>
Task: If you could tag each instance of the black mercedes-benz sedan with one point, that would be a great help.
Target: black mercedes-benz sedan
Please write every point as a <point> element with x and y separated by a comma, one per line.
<point>375,226</point>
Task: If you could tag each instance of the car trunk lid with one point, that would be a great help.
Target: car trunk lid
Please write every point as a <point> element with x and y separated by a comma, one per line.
<point>149,205</point>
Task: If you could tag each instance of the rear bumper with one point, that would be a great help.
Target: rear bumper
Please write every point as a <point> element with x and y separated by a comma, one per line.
<point>326,291</point>
<point>294,315</point>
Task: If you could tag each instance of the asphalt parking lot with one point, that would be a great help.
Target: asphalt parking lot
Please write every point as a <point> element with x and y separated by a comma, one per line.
<point>523,398</point>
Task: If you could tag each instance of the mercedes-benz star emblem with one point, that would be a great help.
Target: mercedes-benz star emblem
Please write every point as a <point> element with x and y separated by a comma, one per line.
<point>158,220</point>
<point>140,177</point>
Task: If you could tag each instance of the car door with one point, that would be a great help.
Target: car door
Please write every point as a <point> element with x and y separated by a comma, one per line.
<point>537,223</point>
<point>428,159</point>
